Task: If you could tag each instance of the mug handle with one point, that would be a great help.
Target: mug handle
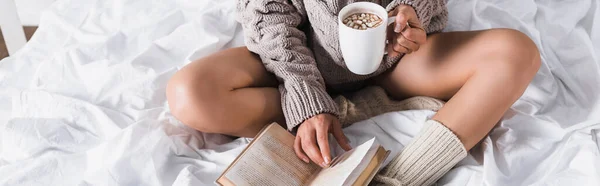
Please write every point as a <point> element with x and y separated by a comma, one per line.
<point>392,20</point>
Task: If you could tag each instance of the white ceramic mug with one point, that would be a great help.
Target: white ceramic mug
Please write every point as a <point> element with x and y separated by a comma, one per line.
<point>363,50</point>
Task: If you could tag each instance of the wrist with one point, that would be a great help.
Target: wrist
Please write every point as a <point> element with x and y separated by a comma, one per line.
<point>302,100</point>
<point>319,116</point>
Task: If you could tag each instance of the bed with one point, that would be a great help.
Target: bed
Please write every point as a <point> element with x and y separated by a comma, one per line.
<point>83,102</point>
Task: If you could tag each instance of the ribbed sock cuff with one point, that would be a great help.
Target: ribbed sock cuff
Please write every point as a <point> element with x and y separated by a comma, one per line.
<point>431,154</point>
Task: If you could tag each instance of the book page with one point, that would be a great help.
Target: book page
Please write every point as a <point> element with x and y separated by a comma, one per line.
<point>271,161</point>
<point>347,167</point>
<point>372,167</point>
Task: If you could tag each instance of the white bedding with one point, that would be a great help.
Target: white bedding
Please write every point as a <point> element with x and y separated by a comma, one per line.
<point>83,102</point>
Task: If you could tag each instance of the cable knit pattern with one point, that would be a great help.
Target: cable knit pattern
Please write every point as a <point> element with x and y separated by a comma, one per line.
<point>297,41</point>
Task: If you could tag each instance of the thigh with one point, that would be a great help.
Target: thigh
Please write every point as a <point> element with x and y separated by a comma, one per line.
<point>229,69</point>
<point>444,63</point>
<point>229,92</point>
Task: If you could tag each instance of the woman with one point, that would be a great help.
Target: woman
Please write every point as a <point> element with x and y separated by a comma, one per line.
<point>292,65</point>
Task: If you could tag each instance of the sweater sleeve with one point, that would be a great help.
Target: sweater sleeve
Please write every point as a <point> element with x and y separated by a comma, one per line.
<point>271,29</point>
<point>433,14</point>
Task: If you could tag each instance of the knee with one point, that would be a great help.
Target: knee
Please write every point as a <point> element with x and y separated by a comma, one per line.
<point>513,53</point>
<point>190,94</point>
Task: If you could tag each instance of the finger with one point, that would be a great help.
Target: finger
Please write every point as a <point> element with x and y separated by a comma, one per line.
<point>298,150</point>
<point>323,141</point>
<point>340,137</point>
<point>401,20</point>
<point>415,35</point>
<point>411,46</point>
<point>413,22</point>
<point>399,48</point>
<point>309,146</point>
<point>411,16</point>
<point>390,50</point>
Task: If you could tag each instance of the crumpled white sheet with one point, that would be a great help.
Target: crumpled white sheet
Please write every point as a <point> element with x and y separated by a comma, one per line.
<point>83,102</point>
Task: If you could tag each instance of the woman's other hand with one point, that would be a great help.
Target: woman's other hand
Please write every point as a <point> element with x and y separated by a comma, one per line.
<point>312,139</point>
<point>403,38</point>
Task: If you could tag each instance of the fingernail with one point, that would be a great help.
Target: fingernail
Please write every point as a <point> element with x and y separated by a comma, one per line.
<point>398,28</point>
<point>323,164</point>
<point>327,160</point>
<point>305,160</point>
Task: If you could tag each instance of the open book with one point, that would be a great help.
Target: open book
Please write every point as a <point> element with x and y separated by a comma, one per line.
<point>270,160</point>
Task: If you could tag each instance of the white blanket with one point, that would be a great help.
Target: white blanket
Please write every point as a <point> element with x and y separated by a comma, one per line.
<point>83,102</point>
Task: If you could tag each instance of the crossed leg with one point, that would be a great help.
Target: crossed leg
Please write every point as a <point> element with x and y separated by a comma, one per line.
<point>229,92</point>
<point>480,73</point>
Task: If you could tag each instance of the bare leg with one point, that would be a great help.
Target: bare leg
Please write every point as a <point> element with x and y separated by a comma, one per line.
<point>481,73</point>
<point>229,92</point>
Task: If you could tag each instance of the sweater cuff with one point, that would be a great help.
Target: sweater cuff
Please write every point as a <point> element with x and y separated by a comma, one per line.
<point>301,101</point>
<point>422,7</point>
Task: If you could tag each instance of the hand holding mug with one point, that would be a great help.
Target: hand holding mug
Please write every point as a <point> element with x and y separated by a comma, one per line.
<point>405,38</point>
<point>364,46</point>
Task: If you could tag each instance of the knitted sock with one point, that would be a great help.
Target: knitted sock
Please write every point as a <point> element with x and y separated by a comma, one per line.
<point>372,101</point>
<point>431,154</point>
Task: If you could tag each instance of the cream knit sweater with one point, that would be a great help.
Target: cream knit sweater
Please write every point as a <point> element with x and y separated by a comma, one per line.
<point>297,41</point>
